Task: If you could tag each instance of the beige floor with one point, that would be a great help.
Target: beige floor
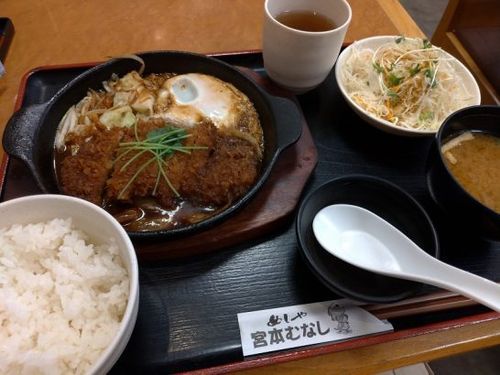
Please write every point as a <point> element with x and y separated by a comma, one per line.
<point>426,13</point>
<point>418,369</point>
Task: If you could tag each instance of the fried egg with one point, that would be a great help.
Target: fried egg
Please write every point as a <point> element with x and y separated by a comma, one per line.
<point>190,98</point>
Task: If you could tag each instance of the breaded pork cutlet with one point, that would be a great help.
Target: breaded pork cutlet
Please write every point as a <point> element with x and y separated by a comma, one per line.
<point>130,180</point>
<point>84,173</point>
<point>231,170</point>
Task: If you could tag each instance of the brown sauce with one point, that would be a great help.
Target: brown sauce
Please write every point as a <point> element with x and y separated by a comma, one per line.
<point>305,20</point>
<point>474,161</point>
<point>146,214</point>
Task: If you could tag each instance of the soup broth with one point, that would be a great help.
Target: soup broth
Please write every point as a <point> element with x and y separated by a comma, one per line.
<point>474,160</point>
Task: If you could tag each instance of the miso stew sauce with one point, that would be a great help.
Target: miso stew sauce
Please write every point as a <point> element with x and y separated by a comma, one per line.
<point>474,160</point>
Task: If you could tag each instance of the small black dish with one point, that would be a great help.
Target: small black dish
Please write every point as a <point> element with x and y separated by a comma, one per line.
<point>466,212</point>
<point>384,199</point>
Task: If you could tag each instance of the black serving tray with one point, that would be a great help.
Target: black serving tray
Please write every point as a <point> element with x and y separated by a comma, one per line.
<point>187,312</point>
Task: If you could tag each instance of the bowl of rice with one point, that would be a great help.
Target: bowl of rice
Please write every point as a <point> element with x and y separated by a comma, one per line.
<point>69,287</point>
<point>404,86</point>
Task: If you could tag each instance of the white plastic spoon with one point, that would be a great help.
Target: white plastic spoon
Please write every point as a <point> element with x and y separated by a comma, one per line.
<point>365,240</point>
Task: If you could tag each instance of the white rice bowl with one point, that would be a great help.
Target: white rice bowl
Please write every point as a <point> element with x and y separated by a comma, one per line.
<point>62,299</point>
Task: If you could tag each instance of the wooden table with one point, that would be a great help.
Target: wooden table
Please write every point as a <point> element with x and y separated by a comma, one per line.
<point>63,32</point>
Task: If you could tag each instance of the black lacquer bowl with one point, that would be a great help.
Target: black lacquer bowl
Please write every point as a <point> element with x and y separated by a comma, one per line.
<point>466,212</point>
<point>30,133</point>
<point>384,199</point>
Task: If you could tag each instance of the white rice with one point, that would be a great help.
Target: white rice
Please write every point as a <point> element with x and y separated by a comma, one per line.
<point>61,298</point>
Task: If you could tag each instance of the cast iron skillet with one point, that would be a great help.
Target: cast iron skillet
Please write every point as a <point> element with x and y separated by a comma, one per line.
<point>30,133</point>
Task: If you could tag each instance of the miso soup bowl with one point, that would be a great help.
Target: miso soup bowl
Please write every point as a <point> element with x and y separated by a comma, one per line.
<point>461,207</point>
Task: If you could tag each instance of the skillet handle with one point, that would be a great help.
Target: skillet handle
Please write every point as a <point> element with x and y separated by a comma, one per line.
<point>288,120</point>
<point>20,133</point>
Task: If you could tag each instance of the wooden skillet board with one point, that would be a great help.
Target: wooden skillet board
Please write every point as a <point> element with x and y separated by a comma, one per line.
<point>176,296</point>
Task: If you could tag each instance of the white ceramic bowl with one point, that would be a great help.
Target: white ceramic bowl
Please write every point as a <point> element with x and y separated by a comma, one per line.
<point>100,226</point>
<point>384,125</point>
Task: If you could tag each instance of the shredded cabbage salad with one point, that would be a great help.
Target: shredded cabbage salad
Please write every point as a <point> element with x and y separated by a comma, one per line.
<point>408,82</point>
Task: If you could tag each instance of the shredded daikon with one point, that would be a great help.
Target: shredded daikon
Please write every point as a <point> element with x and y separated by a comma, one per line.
<point>408,82</point>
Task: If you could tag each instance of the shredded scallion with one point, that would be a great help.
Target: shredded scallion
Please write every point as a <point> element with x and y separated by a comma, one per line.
<point>159,144</point>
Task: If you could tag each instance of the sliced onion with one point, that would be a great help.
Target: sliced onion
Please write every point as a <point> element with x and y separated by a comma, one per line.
<point>133,57</point>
